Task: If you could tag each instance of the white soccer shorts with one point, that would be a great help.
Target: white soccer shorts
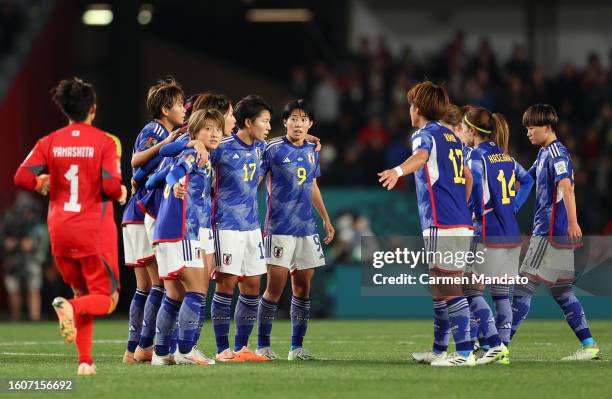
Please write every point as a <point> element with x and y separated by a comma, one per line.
<point>449,248</point>
<point>549,264</point>
<point>294,253</point>
<point>136,245</point>
<point>498,261</point>
<point>207,241</point>
<point>240,253</point>
<point>172,257</point>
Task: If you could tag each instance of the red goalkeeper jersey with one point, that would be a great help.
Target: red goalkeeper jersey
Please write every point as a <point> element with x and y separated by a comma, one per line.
<point>81,161</point>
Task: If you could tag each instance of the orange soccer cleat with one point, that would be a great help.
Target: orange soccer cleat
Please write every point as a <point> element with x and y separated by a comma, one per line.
<point>65,315</point>
<point>247,355</point>
<point>143,355</point>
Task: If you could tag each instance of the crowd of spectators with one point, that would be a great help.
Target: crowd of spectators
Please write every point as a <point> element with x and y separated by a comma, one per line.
<point>362,114</point>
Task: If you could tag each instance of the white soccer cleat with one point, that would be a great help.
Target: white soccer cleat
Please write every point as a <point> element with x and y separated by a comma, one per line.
<point>86,369</point>
<point>584,354</point>
<point>455,360</point>
<point>427,357</point>
<point>299,354</point>
<point>493,354</point>
<point>267,352</point>
<point>195,356</point>
<point>157,360</point>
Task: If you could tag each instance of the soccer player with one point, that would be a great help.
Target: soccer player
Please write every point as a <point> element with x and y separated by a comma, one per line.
<point>238,242</point>
<point>496,232</point>
<point>81,162</point>
<point>550,256</point>
<point>165,104</point>
<point>445,220</point>
<point>185,246</point>
<point>292,242</point>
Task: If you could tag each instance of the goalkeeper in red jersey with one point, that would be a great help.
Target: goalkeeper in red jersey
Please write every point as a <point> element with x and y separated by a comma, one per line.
<point>77,167</point>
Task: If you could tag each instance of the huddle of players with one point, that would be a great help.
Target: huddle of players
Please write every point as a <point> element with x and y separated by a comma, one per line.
<point>467,196</point>
<point>194,213</point>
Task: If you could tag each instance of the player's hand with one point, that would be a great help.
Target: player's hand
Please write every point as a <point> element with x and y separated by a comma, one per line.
<point>42,184</point>
<point>388,178</point>
<point>202,153</point>
<point>172,136</point>
<point>329,231</point>
<point>179,190</point>
<point>134,186</point>
<point>574,232</point>
<point>316,140</point>
<point>123,197</point>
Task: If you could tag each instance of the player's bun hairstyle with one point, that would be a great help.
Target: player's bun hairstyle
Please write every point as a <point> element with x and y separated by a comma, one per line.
<point>250,108</point>
<point>198,119</point>
<point>74,97</point>
<point>492,126</point>
<point>298,104</point>
<point>453,115</point>
<point>212,101</point>
<point>431,100</point>
<point>541,115</point>
<point>166,93</point>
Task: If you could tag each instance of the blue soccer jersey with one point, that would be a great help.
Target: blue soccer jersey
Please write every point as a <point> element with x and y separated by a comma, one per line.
<point>181,219</point>
<point>290,172</point>
<point>466,157</point>
<point>440,184</point>
<point>495,175</point>
<point>151,134</point>
<point>551,166</point>
<point>237,168</point>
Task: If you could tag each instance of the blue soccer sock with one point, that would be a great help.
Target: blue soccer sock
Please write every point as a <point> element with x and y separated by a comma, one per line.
<point>483,316</point>
<point>245,316</point>
<point>136,314</point>
<point>166,319</point>
<point>151,310</point>
<point>174,336</point>
<point>300,314</point>
<point>201,322</point>
<point>266,313</point>
<point>459,317</point>
<point>573,312</point>
<point>503,311</point>
<point>521,302</point>
<point>220,313</point>
<point>441,327</point>
<point>474,325</point>
<point>189,320</point>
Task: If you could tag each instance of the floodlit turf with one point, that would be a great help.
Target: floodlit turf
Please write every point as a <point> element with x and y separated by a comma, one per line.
<point>358,358</point>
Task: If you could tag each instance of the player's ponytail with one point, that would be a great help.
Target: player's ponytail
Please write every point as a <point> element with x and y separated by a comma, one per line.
<point>74,97</point>
<point>501,135</point>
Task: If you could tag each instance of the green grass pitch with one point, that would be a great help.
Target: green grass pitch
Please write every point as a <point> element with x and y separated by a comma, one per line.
<point>357,358</point>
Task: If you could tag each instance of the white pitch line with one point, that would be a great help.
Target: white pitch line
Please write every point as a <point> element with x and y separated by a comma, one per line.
<point>32,343</point>
<point>50,354</point>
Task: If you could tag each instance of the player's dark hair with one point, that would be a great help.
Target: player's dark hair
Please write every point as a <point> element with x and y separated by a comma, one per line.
<point>300,104</point>
<point>431,100</point>
<point>541,115</point>
<point>453,115</point>
<point>74,97</point>
<point>250,108</point>
<point>490,126</point>
<point>199,117</point>
<point>212,101</point>
<point>164,94</point>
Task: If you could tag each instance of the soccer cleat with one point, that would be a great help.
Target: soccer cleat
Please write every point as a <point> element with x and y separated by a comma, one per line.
<point>225,356</point>
<point>299,354</point>
<point>479,353</point>
<point>493,354</point>
<point>427,357</point>
<point>143,355</point>
<point>128,358</point>
<point>455,360</point>
<point>584,353</point>
<point>247,355</point>
<point>267,352</point>
<point>505,359</point>
<point>65,315</point>
<point>86,369</point>
<point>157,360</point>
<point>195,356</point>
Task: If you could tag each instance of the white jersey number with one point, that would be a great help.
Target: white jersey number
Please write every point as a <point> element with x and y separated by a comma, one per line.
<point>73,203</point>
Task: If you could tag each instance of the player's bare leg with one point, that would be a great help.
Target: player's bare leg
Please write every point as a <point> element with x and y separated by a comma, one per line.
<point>276,281</point>
<point>300,312</point>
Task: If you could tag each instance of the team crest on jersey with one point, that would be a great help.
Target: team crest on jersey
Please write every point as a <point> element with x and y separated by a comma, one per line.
<point>311,158</point>
<point>278,252</point>
<point>189,160</point>
<point>227,259</point>
<point>151,141</point>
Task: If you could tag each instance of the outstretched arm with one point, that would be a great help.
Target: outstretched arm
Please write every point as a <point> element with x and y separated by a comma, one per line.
<point>389,177</point>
